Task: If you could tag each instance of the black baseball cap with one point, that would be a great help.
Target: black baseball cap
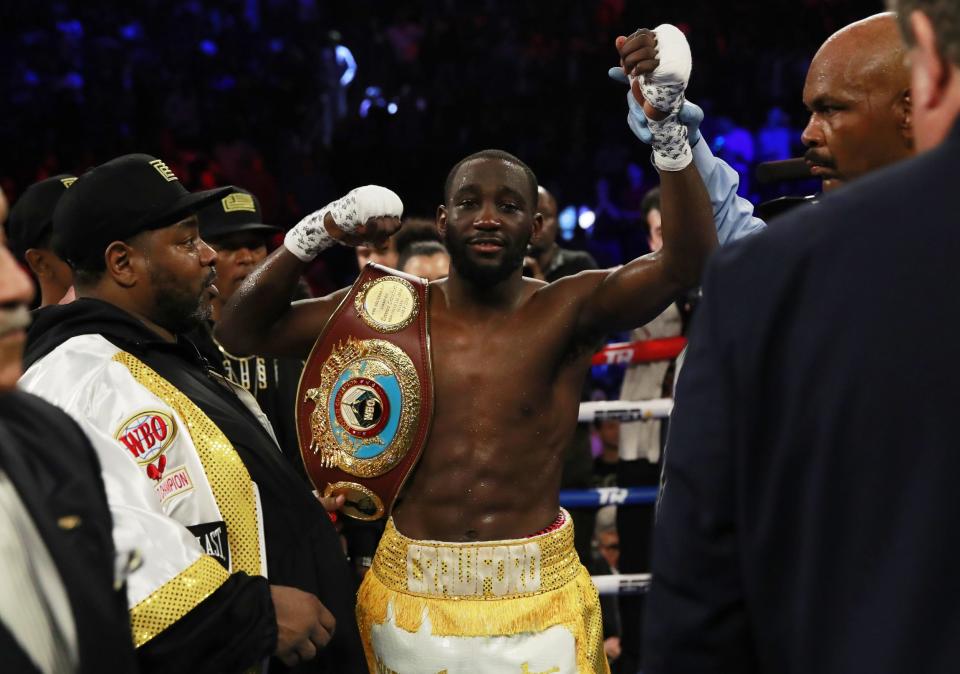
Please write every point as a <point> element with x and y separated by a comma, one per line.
<point>237,211</point>
<point>118,199</point>
<point>31,218</point>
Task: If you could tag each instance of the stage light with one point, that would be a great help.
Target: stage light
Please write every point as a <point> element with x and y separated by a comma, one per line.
<point>73,80</point>
<point>568,222</point>
<point>586,218</point>
<point>132,31</point>
<point>345,59</point>
<point>208,47</point>
<point>392,108</point>
<point>365,107</point>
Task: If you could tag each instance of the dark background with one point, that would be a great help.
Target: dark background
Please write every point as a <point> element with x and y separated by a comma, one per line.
<point>247,92</point>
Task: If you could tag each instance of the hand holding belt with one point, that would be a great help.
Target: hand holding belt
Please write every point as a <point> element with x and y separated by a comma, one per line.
<point>365,399</point>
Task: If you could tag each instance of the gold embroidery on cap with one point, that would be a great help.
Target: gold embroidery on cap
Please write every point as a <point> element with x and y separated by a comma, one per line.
<point>164,170</point>
<point>67,182</point>
<point>238,202</point>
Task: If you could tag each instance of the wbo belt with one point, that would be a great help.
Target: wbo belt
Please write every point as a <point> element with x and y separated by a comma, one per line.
<point>365,399</point>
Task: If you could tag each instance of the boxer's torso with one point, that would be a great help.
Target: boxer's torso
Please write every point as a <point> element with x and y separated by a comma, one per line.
<point>507,386</point>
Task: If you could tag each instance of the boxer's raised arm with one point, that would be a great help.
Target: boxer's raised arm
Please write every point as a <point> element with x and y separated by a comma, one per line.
<point>260,318</point>
<point>658,64</point>
<point>637,292</point>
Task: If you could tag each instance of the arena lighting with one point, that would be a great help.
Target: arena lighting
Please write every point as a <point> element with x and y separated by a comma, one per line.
<point>586,218</point>
<point>132,31</point>
<point>73,80</point>
<point>71,28</point>
<point>568,221</point>
<point>392,108</point>
<point>345,59</point>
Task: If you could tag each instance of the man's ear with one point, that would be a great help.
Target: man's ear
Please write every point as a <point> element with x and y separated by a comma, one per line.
<point>442,221</point>
<point>37,262</point>
<point>930,72</point>
<point>905,116</point>
<point>121,264</point>
<point>537,226</point>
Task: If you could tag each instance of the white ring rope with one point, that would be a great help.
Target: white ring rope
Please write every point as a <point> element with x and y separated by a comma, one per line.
<point>622,583</point>
<point>625,410</point>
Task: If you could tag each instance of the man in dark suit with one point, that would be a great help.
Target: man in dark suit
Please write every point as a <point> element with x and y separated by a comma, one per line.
<point>61,607</point>
<point>809,515</point>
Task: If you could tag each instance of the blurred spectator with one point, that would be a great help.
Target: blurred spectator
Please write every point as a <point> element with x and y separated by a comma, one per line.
<point>652,219</point>
<point>546,260</point>
<point>605,465</point>
<point>386,255</point>
<point>776,136</point>
<point>234,227</point>
<point>426,259</point>
<point>30,230</point>
<point>605,561</point>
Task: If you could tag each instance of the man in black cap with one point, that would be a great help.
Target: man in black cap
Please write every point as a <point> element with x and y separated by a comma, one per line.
<point>192,471</point>
<point>28,232</point>
<point>233,226</point>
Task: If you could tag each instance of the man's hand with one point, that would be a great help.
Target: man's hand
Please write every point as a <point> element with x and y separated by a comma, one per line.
<point>304,625</point>
<point>657,65</point>
<point>611,646</point>
<point>690,115</point>
<point>367,214</point>
<point>331,503</point>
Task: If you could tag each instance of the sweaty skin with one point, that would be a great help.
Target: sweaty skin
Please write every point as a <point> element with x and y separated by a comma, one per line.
<point>857,92</point>
<point>509,356</point>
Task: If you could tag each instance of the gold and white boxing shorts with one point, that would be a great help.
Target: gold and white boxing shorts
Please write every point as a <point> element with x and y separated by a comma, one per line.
<point>496,607</point>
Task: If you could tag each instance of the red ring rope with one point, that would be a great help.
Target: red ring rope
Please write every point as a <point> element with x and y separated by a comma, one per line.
<point>646,351</point>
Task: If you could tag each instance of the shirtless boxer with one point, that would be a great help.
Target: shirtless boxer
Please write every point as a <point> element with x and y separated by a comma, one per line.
<point>509,358</point>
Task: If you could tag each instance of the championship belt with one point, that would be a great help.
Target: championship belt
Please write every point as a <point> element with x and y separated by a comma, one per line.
<point>365,398</point>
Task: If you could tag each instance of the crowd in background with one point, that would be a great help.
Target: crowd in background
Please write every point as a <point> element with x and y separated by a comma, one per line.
<point>300,100</point>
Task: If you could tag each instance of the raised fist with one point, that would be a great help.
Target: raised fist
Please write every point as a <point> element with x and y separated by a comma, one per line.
<point>367,214</point>
<point>657,64</point>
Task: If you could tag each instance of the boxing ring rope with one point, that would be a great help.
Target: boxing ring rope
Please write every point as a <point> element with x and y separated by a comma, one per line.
<point>613,584</point>
<point>624,353</point>
<point>632,353</point>
<point>625,410</point>
<point>644,351</point>
<point>604,496</point>
<point>622,583</point>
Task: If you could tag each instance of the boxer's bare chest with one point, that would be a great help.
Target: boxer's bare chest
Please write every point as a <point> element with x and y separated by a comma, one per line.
<point>506,396</point>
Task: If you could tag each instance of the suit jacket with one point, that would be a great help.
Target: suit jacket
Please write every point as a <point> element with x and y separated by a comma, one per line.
<point>810,519</point>
<point>57,476</point>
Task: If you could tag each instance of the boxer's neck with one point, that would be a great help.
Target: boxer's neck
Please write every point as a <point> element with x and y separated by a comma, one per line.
<point>467,295</point>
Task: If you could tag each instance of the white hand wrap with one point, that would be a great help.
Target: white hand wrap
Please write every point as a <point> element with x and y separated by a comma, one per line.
<point>664,89</point>
<point>310,235</point>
